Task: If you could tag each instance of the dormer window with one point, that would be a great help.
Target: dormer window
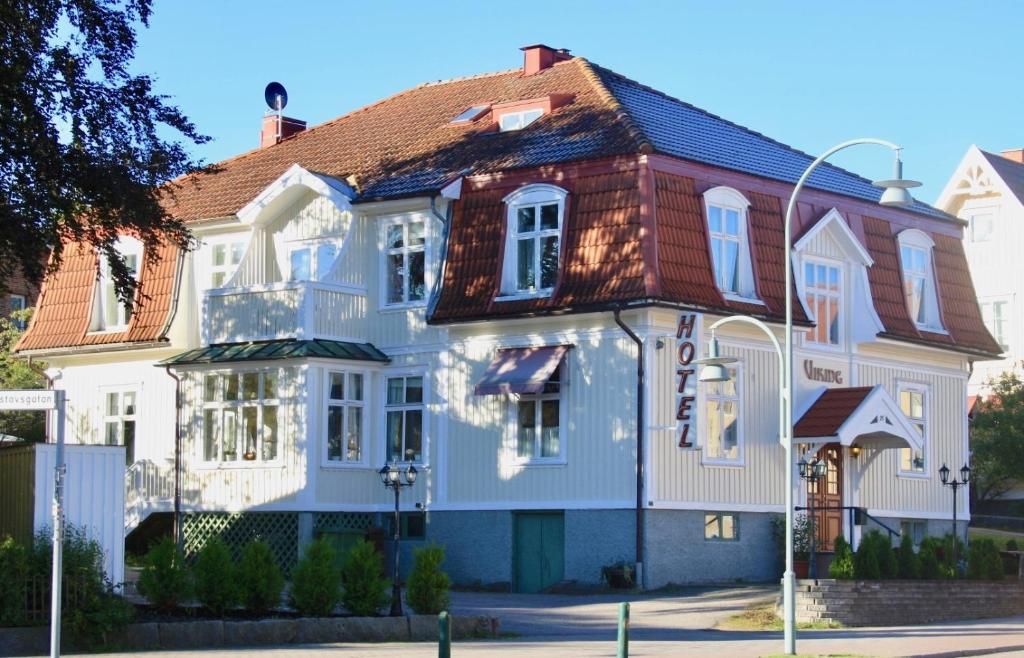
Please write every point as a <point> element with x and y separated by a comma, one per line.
<point>919,279</point>
<point>518,120</point>
<point>534,239</point>
<point>730,249</point>
<point>109,312</point>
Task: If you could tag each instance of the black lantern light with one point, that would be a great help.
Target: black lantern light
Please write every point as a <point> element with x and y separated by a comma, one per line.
<point>395,478</point>
<point>954,484</point>
<point>812,471</point>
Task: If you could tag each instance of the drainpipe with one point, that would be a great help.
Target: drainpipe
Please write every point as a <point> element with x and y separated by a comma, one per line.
<point>177,457</point>
<point>49,385</point>
<point>442,257</point>
<point>640,376</point>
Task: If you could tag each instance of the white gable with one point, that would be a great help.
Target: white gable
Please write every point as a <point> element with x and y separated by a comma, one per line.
<point>974,178</point>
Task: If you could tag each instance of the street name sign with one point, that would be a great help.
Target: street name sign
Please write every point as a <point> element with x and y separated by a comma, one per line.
<point>28,400</point>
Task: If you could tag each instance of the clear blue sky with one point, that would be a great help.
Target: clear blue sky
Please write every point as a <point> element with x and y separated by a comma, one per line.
<point>934,76</point>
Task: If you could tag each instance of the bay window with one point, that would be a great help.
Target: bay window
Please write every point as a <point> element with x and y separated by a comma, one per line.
<point>345,414</point>
<point>404,418</point>
<point>240,417</point>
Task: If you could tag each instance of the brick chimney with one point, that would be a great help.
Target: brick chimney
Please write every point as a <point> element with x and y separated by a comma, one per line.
<point>1017,155</point>
<point>538,57</point>
<point>277,127</point>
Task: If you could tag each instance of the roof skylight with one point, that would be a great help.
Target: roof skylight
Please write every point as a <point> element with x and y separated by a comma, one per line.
<point>519,120</point>
<point>471,114</point>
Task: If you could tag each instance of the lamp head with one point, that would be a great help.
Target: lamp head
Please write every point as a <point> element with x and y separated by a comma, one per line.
<point>855,450</point>
<point>714,369</point>
<point>383,472</point>
<point>802,466</point>
<point>896,194</point>
<point>820,468</point>
<point>944,474</point>
<point>965,473</point>
<point>410,475</point>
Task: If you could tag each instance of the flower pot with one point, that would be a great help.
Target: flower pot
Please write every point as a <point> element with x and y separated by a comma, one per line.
<point>619,576</point>
<point>801,567</point>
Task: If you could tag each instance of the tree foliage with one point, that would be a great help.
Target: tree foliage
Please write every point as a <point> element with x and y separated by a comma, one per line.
<point>83,143</point>
<point>997,438</point>
<point>16,373</point>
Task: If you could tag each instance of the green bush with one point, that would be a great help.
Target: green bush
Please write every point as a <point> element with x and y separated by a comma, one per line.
<point>14,561</point>
<point>908,563</point>
<point>215,579</point>
<point>366,589</point>
<point>946,554</point>
<point>1011,545</point>
<point>164,580</point>
<point>874,558</point>
<point>427,587</point>
<point>984,561</point>
<point>842,561</point>
<point>260,578</point>
<point>316,583</point>
<point>929,555</point>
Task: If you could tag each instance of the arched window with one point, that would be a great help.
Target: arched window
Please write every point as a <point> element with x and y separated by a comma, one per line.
<point>109,312</point>
<point>919,279</point>
<point>533,241</point>
<point>726,211</point>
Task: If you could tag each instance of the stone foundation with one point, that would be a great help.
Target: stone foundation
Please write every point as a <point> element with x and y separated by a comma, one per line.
<point>905,602</point>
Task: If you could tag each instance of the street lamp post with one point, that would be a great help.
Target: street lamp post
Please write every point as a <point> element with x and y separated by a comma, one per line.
<point>812,471</point>
<point>954,484</point>
<point>392,477</point>
<point>895,194</point>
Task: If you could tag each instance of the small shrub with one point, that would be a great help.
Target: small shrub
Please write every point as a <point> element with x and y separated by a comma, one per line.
<point>930,560</point>
<point>984,561</point>
<point>875,558</point>
<point>842,561</point>
<point>908,563</point>
<point>164,580</point>
<point>98,617</point>
<point>1011,545</point>
<point>260,578</point>
<point>951,569</point>
<point>215,579</point>
<point>13,574</point>
<point>366,589</point>
<point>316,583</point>
<point>427,587</point>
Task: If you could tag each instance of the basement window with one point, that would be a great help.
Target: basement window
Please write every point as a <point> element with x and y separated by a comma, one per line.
<point>518,120</point>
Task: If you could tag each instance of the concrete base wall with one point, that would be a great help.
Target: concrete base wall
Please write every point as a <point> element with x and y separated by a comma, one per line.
<point>678,553</point>
<point>478,545</point>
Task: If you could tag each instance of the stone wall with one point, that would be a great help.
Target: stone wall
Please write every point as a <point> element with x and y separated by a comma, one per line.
<point>905,602</point>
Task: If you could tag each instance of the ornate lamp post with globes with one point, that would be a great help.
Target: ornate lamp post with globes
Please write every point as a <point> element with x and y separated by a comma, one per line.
<point>392,476</point>
<point>812,471</point>
<point>954,484</point>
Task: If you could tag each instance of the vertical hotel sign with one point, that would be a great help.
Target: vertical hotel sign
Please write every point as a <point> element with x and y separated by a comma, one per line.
<point>688,333</point>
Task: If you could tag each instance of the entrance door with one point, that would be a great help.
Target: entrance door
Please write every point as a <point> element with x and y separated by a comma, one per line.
<point>539,550</point>
<point>828,497</point>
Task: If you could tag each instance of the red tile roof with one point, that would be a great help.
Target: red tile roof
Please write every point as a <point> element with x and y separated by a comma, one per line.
<point>830,411</point>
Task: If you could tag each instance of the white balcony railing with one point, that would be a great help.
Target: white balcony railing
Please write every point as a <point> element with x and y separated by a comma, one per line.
<point>148,488</point>
<point>296,309</point>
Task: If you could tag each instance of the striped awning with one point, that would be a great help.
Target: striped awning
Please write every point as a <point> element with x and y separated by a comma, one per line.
<point>521,370</point>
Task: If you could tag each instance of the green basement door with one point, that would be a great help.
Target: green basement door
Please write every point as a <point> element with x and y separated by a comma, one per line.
<point>539,550</point>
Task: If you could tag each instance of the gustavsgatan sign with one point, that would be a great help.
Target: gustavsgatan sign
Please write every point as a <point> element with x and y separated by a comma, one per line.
<point>28,400</point>
<point>688,333</point>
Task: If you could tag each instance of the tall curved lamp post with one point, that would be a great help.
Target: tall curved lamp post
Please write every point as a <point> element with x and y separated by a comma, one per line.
<point>392,477</point>
<point>895,194</point>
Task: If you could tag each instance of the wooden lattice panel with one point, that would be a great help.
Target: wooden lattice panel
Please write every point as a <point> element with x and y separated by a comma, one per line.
<point>280,530</point>
<point>335,521</point>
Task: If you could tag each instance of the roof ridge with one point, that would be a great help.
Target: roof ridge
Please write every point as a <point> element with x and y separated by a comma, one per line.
<point>643,144</point>
<point>475,76</point>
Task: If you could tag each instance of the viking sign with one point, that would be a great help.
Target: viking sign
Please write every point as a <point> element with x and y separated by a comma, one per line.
<point>687,338</point>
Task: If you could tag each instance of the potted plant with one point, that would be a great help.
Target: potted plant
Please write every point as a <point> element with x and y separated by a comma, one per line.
<point>621,575</point>
<point>802,528</point>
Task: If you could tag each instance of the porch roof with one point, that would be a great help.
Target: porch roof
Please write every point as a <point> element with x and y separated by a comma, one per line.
<point>278,349</point>
<point>862,415</point>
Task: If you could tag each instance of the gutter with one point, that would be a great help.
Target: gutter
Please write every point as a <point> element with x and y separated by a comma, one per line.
<point>640,437</point>
<point>93,349</point>
<point>178,539</point>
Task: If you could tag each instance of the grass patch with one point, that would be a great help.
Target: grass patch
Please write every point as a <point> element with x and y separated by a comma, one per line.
<point>816,655</point>
<point>1000,537</point>
<point>762,617</point>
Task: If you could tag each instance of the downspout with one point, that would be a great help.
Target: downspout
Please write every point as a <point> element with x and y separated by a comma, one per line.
<point>442,257</point>
<point>49,385</point>
<point>177,457</point>
<point>640,380</point>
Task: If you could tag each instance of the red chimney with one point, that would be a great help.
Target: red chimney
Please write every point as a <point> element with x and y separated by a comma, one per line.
<point>538,57</point>
<point>277,127</point>
<point>1017,155</point>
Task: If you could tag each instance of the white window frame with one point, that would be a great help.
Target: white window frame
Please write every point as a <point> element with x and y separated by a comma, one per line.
<point>425,406</point>
<point>518,119</point>
<point>229,269</point>
<point>987,307</point>
<point>727,198</point>
<point>841,296</point>
<point>916,239</point>
<point>718,518</point>
<point>925,391</point>
<point>706,396</point>
<point>126,247</point>
<point>346,404</point>
<point>536,195</point>
<point>313,245</point>
<point>426,249</point>
<point>221,405</point>
<point>120,417</point>
<point>15,304</point>
<point>512,443</point>
<point>980,211</point>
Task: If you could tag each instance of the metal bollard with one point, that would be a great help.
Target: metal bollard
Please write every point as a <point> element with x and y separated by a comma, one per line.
<point>444,635</point>
<point>623,648</point>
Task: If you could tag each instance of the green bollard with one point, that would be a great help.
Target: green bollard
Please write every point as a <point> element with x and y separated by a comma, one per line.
<point>444,635</point>
<point>623,649</point>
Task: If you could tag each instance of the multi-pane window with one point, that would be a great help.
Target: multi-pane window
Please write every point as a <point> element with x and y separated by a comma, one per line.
<point>115,313</point>
<point>726,234</point>
<point>518,120</point>
<point>345,412</point>
<point>915,281</point>
<point>721,527</point>
<point>823,293</point>
<point>982,223</point>
<point>405,260</point>
<point>240,417</point>
<point>538,422</point>
<point>996,315</point>
<point>722,410</point>
<point>916,530</point>
<point>912,403</point>
<point>119,409</point>
<point>537,233</point>
<point>224,260</point>
<point>311,261</point>
<point>404,414</point>
<point>18,303</point>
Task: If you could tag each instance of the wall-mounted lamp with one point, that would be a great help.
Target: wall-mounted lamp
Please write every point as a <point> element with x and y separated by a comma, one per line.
<point>855,450</point>
<point>660,344</point>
